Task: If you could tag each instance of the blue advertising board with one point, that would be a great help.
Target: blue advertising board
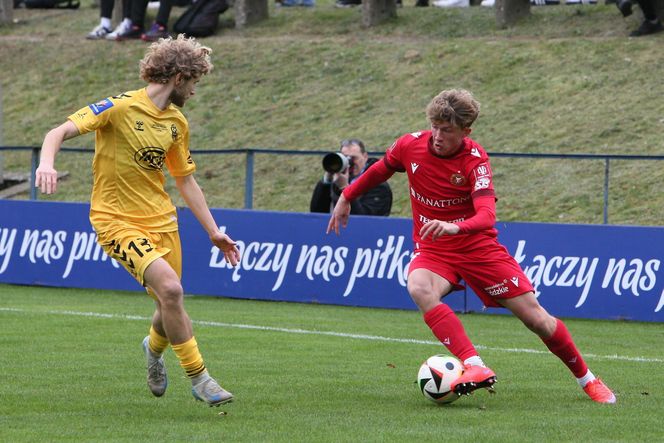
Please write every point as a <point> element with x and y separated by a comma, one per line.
<point>582,271</point>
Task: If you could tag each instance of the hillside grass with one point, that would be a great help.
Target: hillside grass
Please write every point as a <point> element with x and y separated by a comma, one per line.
<point>565,80</point>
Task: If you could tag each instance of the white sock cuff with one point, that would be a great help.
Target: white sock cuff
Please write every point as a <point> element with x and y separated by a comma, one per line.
<point>583,381</point>
<point>475,360</point>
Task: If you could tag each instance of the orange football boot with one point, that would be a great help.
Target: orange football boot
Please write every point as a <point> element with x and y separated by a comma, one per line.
<point>474,377</point>
<point>599,392</point>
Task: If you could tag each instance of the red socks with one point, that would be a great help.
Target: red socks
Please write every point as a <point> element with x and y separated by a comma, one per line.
<point>562,345</point>
<point>447,327</point>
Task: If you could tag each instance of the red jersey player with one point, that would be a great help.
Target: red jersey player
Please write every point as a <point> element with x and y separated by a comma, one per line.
<point>453,205</point>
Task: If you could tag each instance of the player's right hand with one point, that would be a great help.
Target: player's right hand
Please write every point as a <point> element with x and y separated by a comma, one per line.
<point>339,216</point>
<point>46,179</point>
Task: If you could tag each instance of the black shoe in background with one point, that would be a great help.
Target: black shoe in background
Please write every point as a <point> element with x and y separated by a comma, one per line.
<point>347,3</point>
<point>133,33</point>
<point>647,28</point>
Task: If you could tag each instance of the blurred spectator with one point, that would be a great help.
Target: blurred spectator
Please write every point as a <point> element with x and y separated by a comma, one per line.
<point>567,2</point>
<point>651,22</point>
<point>347,3</point>
<point>451,3</point>
<point>133,28</point>
<point>338,175</point>
<point>544,2</point>
<point>159,28</point>
<point>305,3</point>
<point>105,28</point>
<point>353,3</point>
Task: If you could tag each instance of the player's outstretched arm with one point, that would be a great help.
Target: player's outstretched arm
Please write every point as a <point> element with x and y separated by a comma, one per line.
<point>193,196</point>
<point>46,178</point>
<point>339,215</point>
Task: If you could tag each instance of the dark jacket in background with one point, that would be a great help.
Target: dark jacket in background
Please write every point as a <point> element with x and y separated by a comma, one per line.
<point>377,201</point>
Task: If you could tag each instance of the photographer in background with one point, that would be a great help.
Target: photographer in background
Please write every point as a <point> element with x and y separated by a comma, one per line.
<point>343,168</point>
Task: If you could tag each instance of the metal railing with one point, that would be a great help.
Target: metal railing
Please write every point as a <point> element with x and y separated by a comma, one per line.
<point>250,154</point>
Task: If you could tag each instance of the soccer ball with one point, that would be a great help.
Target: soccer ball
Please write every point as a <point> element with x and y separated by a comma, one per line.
<point>436,376</point>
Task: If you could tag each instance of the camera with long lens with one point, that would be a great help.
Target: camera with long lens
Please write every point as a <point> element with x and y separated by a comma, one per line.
<point>336,162</point>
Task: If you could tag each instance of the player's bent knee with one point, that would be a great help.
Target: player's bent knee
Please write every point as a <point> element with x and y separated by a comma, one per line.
<point>169,293</point>
<point>423,296</point>
<point>541,323</point>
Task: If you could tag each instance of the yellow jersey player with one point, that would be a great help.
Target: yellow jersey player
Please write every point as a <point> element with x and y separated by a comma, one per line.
<point>136,134</point>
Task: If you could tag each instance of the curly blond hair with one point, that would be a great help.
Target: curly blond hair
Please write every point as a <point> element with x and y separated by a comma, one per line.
<point>168,57</point>
<point>456,106</point>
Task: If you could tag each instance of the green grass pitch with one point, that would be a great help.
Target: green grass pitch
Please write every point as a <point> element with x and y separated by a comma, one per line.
<point>72,370</point>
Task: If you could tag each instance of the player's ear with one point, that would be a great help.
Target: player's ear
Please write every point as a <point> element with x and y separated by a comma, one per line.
<point>467,131</point>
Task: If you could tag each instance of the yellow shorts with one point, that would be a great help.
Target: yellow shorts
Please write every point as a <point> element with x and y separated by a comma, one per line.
<point>135,249</point>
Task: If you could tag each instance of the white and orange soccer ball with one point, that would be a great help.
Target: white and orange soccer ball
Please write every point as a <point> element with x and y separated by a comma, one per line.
<point>436,376</point>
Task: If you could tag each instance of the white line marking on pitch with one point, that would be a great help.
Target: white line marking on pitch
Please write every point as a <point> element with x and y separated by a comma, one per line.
<point>330,333</point>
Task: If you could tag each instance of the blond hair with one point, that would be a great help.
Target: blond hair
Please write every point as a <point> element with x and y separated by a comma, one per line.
<point>168,57</point>
<point>456,106</point>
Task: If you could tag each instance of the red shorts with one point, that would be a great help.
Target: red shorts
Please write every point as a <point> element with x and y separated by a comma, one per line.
<point>487,268</point>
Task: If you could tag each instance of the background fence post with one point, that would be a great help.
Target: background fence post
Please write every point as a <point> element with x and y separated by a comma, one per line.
<point>606,191</point>
<point>248,12</point>
<point>375,12</point>
<point>249,181</point>
<point>6,12</point>
<point>34,163</point>
<point>2,142</point>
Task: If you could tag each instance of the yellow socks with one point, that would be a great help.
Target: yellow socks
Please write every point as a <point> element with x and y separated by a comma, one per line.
<point>190,357</point>
<point>156,342</point>
<point>187,352</point>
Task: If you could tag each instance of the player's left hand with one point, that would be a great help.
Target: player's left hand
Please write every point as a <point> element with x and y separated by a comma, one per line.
<point>438,228</point>
<point>227,246</point>
<point>46,179</point>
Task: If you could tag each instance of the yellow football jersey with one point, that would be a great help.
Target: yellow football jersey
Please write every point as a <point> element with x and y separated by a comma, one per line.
<point>133,141</point>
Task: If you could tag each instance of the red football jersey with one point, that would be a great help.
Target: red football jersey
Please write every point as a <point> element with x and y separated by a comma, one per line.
<point>442,188</point>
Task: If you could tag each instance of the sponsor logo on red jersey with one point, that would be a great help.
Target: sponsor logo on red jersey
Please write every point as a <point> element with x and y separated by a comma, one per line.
<point>482,183</point>
<point>482,170</point>
<point>482,176</point>
<point>438,202</point>
<point>497,289</point>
